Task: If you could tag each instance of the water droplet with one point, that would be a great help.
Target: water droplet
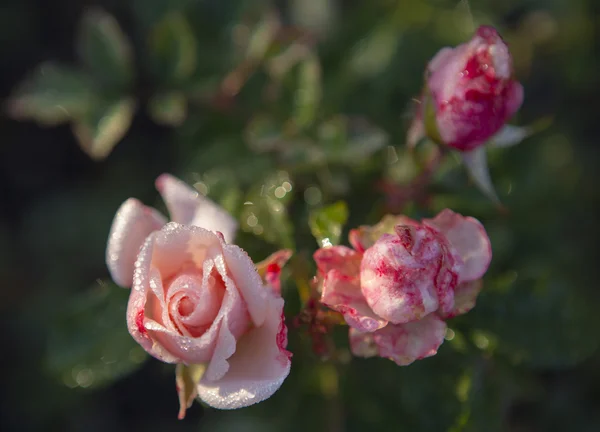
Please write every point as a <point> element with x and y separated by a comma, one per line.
<point>202,187</point>
<point>84,378</point>
<point>313,195</point>
<point>280,192</point>
<point>252,220</point>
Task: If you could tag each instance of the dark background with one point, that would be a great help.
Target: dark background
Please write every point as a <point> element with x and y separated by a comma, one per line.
<point>525,359</point>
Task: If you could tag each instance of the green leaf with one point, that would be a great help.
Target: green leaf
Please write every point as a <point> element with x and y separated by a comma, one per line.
<point>263,134</point>
<point>222,186</point>
<point>262,36</point>
<point>308,92</point>
<point>89,345</point>
<point>173,49</point>
<point>348,140</point>
<point>52,95</point>
<point>326,223</point>
<point>100,130</point>
<point>364,139</point>
<point>265,213</point>
<point>148,13</point>
<point>375,52</point>
<point>168,108</point>
<point>105,49</point>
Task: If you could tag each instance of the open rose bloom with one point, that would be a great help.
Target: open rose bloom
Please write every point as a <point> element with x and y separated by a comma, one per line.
<point>402,279</point>
<point>470,93</point>
<point>199,301</point>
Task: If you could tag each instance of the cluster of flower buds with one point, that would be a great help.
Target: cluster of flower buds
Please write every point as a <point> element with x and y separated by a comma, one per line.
<point>402,279</point>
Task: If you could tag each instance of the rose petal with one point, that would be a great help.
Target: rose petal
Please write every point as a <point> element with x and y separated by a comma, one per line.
<point>465,297</point>
<point>234,316</point>
<point>247,280</point>
<point>343,294</point>
<point>467,235</point>
<point>403,343</point>
<point>131,225</point>
<point>399,281</point>
<point>169,250</point>
<point>514,99</point>
<point>445,71</point>
<point>440,59</point>
<point>340,258</point>
<point>188,207</point>
<point>137,322</point>
<point>269,269</point>
<point>256,370</point>
<point>365,236</point>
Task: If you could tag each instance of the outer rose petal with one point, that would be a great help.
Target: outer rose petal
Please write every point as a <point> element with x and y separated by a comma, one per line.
<point>340,258</point>
<point>248,282</point>
<point>188,207</point>
<point>269,269</point>
<point>136,316</point>
<point>465,297</point>
<point>403,343</point>
<point>365,236</point>
<point>515,96</point>
<point>343,294</point>
<point>467,235</point>
<point>131,225</point>
<point>444,71</point>
<point>258,367</point>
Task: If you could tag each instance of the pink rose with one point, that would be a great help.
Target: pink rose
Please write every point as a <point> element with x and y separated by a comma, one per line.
<point>402,279</point>
<point>198,300</point>
<point>470,93</point>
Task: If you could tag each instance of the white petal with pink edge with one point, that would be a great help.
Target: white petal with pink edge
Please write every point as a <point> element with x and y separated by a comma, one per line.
<point>343,294</point>
<point>258,367</point>
<point>131,225</point>
<point>402,343</point>
<point>468,236</point>
<point>189,207</point>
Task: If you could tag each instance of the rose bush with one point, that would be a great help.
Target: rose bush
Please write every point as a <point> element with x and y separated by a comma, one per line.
<point>402,279</point>
<point>196,299</point>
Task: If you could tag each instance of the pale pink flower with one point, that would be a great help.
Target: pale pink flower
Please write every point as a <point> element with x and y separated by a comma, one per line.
<point>198,300</point>
<point>470,93</point>
<point>402,279</point>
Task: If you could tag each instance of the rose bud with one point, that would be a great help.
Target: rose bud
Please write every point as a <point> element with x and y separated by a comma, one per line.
<point>470,93</point>
<point>409,274</point>
<point>200,302</point>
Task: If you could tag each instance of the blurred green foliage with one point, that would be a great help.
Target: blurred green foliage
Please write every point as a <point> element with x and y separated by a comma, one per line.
<point>291,114</point>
